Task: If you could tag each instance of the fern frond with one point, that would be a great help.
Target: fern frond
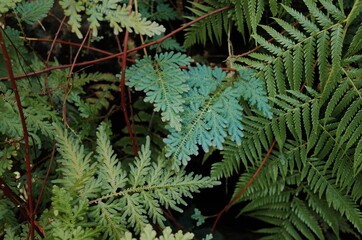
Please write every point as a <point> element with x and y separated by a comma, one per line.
<point>149,234</point>
<point>252,90</point>
<point>78,168</point>
<point>163,83</point>
<point>356,44</point>
<point>322,182</point>
<point>113,12</point>
<point>212,108</point>
<point>120,200</point>
<point>322,19</point>
<point>209,27</point>
<point>357,165</point>
<point>308,26</point>
<point>333,10</point>
<point>31,12</point>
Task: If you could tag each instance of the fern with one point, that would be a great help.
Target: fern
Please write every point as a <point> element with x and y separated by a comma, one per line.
<point>31,12</point>
<point>108,10</point>
<point>244,14</point>
<point>201,105</point>
<point>115,200</point>
<point>317,132</point>
<point>149,234</point>
<point>163,84</point>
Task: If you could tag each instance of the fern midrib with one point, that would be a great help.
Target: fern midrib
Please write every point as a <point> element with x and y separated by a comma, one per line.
<point>199,118</point>
<point>142,189</point>
<point>165,93</point>
<point>336,142</point>
<point>345,209</point>
<point>300,43</point>
<point>352,83</point>
<point>110,221</point>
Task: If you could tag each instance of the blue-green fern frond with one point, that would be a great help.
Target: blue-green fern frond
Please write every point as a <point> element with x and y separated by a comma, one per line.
<point>163,83</point>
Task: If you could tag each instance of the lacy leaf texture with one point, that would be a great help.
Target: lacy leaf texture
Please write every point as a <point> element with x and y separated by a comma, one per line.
<point>97,196</point>
<point>200,104</point>
<point>115,12</point>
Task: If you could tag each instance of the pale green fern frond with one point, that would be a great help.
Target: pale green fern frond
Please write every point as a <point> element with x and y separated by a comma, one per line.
<point>5,5</point>
<point>149,234</point>
<point>78,168</point>
<point>113,11</point>
<point>118,200</point>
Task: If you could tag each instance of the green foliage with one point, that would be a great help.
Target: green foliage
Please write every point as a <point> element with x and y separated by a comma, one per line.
<point>311,182</point>
<point>198,217</point>
<point>201,104</point>
<point>31,12</point>
<point>149,234</point>
<point>100,191</point>
<point>297,97</point>
<point>7,4</point>
<point>163,83</point>
<point>113,11</point>
<point>245,14</point>
<point>157,10</point>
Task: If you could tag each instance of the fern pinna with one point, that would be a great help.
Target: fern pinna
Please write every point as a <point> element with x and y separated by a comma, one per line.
<point>312,180</point>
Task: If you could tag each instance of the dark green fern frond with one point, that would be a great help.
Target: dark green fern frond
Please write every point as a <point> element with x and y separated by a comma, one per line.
<point>322,183</point>
<point>245,15</point>
<point>211,28</point>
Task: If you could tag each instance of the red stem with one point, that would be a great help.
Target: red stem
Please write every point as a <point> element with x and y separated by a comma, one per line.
<point>123,87</point>
<point>246,186</point>
<point>54,40</point>
<point>26,134</point>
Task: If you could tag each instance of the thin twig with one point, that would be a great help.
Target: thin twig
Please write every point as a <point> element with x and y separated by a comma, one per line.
<point>245,187</point>
<point>123,87</point>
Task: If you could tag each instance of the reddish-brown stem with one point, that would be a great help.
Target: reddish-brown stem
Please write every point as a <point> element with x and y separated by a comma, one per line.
<point>26,134</point>
<point>246,186</point>
<point>123,87</point>
<point>54,40</point>
<point>129,51</point>
<point>46,81</point>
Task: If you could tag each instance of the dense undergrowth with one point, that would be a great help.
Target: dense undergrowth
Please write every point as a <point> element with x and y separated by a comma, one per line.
<point>108,108</point>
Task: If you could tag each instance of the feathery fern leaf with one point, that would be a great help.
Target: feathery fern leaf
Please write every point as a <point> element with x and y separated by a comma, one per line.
<point>116,200</point>
<point>212,108</point>
<point>108,10</point>
<point>30,12</point>
<point>149,234</point>
<point>163,83</point>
